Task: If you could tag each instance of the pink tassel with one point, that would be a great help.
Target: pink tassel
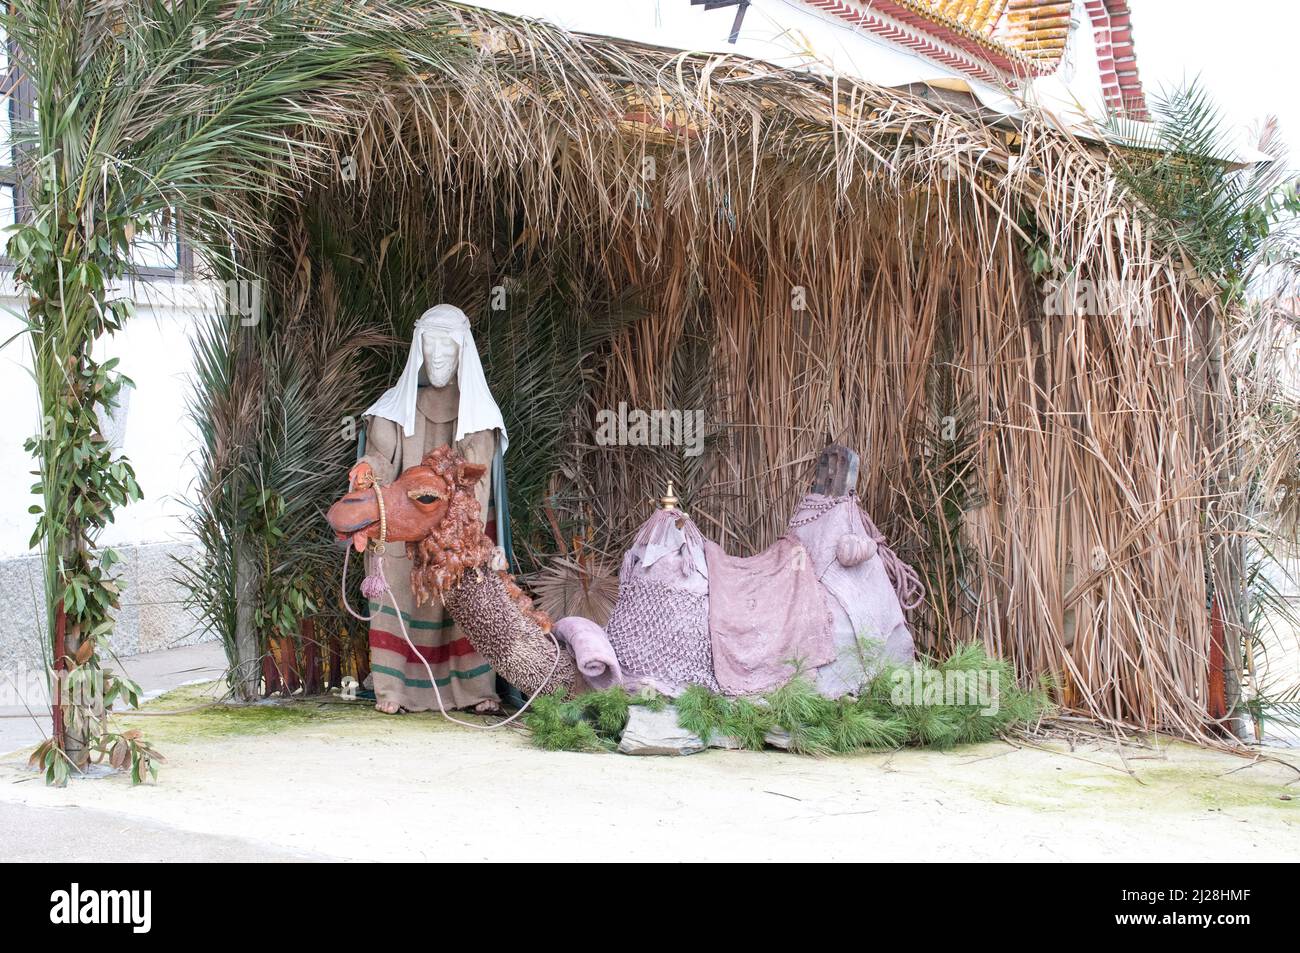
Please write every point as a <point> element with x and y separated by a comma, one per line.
<point>372,587</point>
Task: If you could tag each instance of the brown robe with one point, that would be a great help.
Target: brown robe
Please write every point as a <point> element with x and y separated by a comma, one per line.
<point>463,676</point>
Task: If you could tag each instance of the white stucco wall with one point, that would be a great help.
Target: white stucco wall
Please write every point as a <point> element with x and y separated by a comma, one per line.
<point>155,351</point>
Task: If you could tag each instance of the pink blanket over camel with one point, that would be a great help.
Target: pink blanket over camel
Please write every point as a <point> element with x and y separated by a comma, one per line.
<point>767,617</point>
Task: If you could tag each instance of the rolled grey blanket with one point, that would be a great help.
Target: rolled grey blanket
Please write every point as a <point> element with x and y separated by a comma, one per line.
<point>591,650</point>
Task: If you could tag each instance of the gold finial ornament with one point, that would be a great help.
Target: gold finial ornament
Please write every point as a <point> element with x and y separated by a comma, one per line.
<point>669,500</point>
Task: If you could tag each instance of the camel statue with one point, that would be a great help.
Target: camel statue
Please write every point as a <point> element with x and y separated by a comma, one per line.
<point>686,612</point>
<point>431,508</point>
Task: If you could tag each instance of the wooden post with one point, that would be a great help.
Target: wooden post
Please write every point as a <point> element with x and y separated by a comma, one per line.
<point>837,471</point>
<point>336,661</point>
<point>1227,537</point>
<point>311,680</point>
<point>246,641</point>
<point>289,665</point>
<point>1218,689</point>
<point>270,675</point>
<point>363,663</point>
<point>60,651</point>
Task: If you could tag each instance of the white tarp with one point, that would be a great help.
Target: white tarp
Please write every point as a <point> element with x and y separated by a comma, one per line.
<point>786,33</point>
<point>791,34</point>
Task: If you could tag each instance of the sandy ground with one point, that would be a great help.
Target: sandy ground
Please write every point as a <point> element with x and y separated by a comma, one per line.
<point>333,779</point>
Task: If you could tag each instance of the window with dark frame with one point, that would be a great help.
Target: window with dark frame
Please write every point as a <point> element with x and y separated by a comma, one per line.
<point>17,107</point>
<point>157,252</point>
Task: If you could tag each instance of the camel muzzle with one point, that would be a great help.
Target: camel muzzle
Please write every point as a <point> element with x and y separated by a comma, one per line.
<point>349,530</point>
<point>352,516</point>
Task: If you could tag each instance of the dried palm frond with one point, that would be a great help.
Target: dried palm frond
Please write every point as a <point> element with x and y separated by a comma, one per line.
<point>566,586</point>
<point>816,258</point>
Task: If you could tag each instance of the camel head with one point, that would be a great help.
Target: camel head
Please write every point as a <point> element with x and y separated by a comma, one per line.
<point>431,508</point>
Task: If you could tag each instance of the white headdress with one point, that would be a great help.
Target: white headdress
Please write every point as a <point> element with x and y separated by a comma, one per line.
<point>478,411</point>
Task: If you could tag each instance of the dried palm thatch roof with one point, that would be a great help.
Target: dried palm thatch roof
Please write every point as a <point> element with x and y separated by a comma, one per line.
<point>1051,473</point>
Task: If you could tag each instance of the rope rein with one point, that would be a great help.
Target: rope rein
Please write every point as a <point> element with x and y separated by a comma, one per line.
<point>377,586</point>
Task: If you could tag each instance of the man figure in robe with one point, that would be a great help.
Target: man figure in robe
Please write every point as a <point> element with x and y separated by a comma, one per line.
<point>442,398</point>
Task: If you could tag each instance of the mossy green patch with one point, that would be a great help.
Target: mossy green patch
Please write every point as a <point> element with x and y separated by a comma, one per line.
<point>196,717</point>
<point>1180,778</point>
<point>1220,787</point>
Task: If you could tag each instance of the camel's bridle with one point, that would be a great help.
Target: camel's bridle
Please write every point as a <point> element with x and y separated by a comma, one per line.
<point>378,546</point>
<point>376,587</point>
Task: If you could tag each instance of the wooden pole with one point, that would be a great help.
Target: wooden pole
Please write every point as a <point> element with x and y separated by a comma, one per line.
<point>270,675</point>
<point>1218,689</point>
<point>289,665</point>
<point>246,640</point>
<point>60,652</point>
<point>837,471</point>
<point>363,664</point>
<point>336,661</point>
<point>311,677</point>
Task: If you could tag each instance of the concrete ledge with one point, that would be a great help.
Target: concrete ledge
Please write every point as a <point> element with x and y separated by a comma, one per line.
<point>152,615</point>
